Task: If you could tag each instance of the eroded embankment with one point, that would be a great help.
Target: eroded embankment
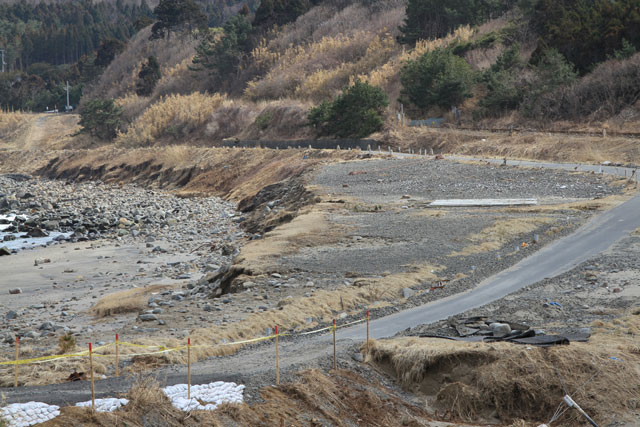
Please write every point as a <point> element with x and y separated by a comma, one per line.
<point>229,173</point>
<point>480,381</point>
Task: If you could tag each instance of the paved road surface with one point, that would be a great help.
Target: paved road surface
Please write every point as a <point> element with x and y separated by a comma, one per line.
<point>247,365</point>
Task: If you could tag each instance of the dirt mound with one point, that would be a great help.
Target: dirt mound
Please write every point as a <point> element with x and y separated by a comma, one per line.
<point>476,382</point>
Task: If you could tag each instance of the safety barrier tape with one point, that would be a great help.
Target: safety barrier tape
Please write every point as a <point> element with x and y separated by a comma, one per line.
<point>52,357</point>
<point>162,349</point>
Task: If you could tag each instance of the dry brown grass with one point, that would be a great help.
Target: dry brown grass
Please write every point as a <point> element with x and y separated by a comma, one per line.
<point>340,398</point>
<point>48,373</point>
<point>131,300</point>
<point>321,305</point>
<point>469,381</point>
<point>502,231</point>
<point>174,115</point>
<point>319,69</point>
<point>603,204</point>
<point>120,77</point>
<point>10,124</point>
<point>230,173</point>
<point>529,146</point>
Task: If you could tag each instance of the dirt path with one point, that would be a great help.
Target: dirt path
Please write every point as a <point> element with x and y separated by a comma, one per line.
<point>47,131</point>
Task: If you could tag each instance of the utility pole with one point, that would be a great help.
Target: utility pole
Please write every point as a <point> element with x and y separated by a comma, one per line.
<point>68,107</point>
<point>2,60</point>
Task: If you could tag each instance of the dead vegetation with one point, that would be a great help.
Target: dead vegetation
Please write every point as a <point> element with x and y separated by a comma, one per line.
<point>477,381</point>
<point>131,300</point>
<point>501,232</point>
<point>233,174</point>
<point>529,145</point>
<point>120,77</point>
<point>174,116</point>
<point>10,124</point>
<point>340,398</point>
<point>53,372</point>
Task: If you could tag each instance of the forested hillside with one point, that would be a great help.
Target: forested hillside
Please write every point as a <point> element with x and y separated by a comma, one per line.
<point>47,43</point>
<point>207,70</point>
<point>291,69</point>
<point>62,32</point>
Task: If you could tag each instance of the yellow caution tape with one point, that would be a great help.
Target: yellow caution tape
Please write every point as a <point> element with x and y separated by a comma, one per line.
<point>161,349</point>
<point>164,351</point>
<point>251,340</point>
<point>130,344</point>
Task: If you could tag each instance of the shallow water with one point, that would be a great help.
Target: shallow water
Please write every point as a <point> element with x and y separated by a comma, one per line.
<point>30,242</point>
<point>25,242</point>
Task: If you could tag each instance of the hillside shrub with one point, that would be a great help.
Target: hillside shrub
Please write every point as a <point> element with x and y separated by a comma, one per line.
<point>222,54</point>
<point>148,77</point>
<point>503,82</point>
<point>429,19</point>
<point>107,51</point>
<point>437,78</point>
<point>611,87</point>
<point>551,72</point>
<point>101,118</point>
<point>355,113</point>
<point>177,16</point>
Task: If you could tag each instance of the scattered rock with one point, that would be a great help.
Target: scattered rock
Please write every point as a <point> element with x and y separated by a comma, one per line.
<point>15,291</point>
<point>408,292</point>
<point>46,326</point>
<point>148,317</point>
<point>500,329</point>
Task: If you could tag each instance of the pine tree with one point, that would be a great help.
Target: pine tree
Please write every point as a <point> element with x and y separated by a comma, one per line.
<point>176,16</point>
<point>148,77</point>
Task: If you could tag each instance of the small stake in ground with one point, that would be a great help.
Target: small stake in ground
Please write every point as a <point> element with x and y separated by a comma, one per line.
<point>117,364</point>
<point>335,363</point>
<point>571,404</point>
<point>93,386</point>
<point>17,356</point>
<point>277,359</point>
<point>367,331</point>
<point>188,368</point>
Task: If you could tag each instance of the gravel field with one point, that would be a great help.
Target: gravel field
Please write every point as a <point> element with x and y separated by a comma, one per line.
<point>380,181</point>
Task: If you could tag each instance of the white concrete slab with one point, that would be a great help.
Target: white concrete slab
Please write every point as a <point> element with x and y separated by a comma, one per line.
<point>483,202</point>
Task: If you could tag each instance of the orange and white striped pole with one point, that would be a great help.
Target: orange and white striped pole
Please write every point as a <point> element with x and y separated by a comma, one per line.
<point>277,358</point>
<point>17,357</point>
<point>367,331</point>
<point>189,368</point>
<point>93,386</point>
<point>335,362</point>
<point>117,358</point>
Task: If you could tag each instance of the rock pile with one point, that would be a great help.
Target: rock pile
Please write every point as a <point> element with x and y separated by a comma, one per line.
<point>88,211</point>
